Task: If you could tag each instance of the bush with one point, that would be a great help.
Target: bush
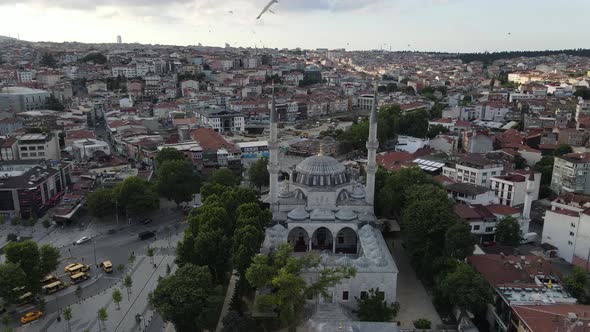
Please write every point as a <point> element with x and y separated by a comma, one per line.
<point>46,223</point>
<point>11,237</point>
<point>422,324</point>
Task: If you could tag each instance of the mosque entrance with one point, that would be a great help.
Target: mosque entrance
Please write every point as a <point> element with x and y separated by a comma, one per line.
<point>322,239</point>
<point>299,239</point>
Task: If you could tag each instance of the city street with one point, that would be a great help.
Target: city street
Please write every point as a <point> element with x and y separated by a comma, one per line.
<point>167,224</point>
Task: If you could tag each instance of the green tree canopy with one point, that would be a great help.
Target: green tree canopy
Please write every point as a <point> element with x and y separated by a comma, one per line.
<point>12,276</point>
<point>96,57</point>
<point>188,298</point>
<point>177,180</point>
<point>427,215</point>
<point>545,166</point>
<point>577,284</point>
<point>48,60</point>
<point>508,231</point>
<point>258,173</point>
<point>27,255</point>
<point>168,154</point>
<point>374,308</point>
<point>459,241</point>
<point>247,241</point>
<point>466,289</point>
<point>49,258</point>
<point>392,187</point>
<point>562,149</point>
<point>136,195</point>
<point>583,92</point>
<point>225,177</point>
<point>101,202</point>
<point>54,104</point>
<point>435,130</point>
<point>280,272</point>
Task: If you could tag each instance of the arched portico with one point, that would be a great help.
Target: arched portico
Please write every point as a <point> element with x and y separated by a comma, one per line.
<point>299,239</point>
<point>346,241</point>
<point>322,239</point>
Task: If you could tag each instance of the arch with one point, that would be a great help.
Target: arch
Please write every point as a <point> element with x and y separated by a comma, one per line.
<point>299,194</point>
<point>322,239</point>
<point>299,239</point>
<point>343,196</point>
<point>347,241</point>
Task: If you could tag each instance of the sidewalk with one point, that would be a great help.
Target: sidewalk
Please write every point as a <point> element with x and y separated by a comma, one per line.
<point>231,287</point>
<point>145,279</point>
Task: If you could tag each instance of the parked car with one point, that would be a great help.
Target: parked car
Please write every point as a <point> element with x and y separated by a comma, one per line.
<point>146,221</point>
<point>146,235</point>
<point>83,239</point>
<point>529,238</point>
<point>111,231</point>
<point>31,316</point>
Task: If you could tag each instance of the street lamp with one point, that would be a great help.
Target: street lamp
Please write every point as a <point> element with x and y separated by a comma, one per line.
<point>94,247</point>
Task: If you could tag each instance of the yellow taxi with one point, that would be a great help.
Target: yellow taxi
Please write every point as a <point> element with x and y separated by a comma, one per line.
<point>31,317</point>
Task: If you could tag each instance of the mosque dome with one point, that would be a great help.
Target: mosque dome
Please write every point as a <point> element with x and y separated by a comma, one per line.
<point>321,171</point>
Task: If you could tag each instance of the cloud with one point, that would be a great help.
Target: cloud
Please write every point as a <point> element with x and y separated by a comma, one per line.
<point>92,4</point>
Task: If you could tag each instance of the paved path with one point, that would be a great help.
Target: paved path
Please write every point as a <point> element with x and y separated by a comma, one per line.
<point>231,287</point>
<point>412,297</point>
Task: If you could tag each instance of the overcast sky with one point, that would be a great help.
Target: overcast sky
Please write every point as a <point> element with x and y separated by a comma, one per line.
<point>434,25</point>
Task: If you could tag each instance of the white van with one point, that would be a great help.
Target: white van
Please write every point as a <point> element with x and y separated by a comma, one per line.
<point>529,238</point>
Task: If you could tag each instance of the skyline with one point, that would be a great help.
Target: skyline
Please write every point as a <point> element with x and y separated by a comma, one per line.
<point>422,25</point>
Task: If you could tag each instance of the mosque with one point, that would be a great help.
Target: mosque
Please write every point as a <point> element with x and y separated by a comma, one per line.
<point>320,208</point>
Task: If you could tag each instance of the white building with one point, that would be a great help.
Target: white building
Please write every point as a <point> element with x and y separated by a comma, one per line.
<point>89,148</point>
<point>24,75</point>
<point>39,146</point>
<point>511,188</point>
<point>474,169</point>
<point>567,228</point>
<point>410,144</point>
<point>365,102</point>
<point>222,120</point>
<point>321,209</point>
<point>471,194</point>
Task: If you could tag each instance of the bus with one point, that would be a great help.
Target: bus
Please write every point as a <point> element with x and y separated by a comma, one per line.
<point>79,277</point>
<point>54,287</point>
<point>76,268</point>
<point>107,266</point>
<point>49,279</point>
<point>25,298</point>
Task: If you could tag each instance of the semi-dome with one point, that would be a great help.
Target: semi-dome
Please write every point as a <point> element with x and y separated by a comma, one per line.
<point>320,171</point>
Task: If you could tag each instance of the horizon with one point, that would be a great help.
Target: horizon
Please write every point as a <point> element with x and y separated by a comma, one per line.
<point>444,26</point>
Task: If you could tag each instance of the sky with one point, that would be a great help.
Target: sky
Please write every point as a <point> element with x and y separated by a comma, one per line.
<point>420,25</point>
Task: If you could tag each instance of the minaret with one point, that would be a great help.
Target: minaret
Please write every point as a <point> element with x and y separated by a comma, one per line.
<point>372,145</point>
<point>528,196</point>
<point>273,149</point>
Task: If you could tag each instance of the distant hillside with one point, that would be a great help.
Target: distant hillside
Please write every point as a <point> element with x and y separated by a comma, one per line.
<point>4,38</point>
<point>488,58</point>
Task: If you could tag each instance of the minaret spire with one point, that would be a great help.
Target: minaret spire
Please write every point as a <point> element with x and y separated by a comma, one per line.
<point>372,145</point>
<point>273,149</point>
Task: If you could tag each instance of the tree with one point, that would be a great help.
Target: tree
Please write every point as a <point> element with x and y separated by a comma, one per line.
<point>120,268</point>
<point>545,166</point>
<point>96,57</point>
<point>100,202</point>
<point>188,298</point>
<point>391,189</point>
<point>374,308</point>
<point>562,149</point>
<point>508,231</point>
<point>422,324</point>
<point>435,130</point>
<point>466,289</point>
<point>582,91</point>
<point>459,241</point>
<point>34,262</point>
<point>54,104</point>
<point>68,316</point>
<point>78,292</point>
<point>177,181</point>
<point>49,257</point>
<point>48,60</point>
<point>168,154</point>
<point>258,173</point>
<point>46,223</point>
<point>426,217</point>
<point>128,283</point>
<point>224,176</point>
<point>247,241</point>
<point>136,195</point>
<point>577,284</point>
<point>117,298</point>
<point>150,254</point>
<point>280,272</point>
<point>42,303</point>
<point>12,276</point>
<point>519,162</point>
<point>102,317</point>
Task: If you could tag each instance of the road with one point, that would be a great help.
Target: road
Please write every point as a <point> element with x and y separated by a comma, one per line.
<point>115,247</point>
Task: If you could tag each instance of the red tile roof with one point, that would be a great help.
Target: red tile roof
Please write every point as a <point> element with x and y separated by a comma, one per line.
<point>498,270</point>
<point>551,318</point>
<point>393,160</point>
<point>80,134</point>
<point>504,210</point>
<point>209,140</point>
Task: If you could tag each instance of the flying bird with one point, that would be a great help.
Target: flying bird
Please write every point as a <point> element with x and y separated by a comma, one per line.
<point>270,11</point>
<point>231,12</point>
<point>267,7</point>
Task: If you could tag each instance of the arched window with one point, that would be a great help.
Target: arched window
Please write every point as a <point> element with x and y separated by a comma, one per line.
<point>347,241</point>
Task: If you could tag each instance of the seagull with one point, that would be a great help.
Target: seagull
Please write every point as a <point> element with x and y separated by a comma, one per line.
<point>266,8</point>
<point>231,12</point>
<point>270,11</point>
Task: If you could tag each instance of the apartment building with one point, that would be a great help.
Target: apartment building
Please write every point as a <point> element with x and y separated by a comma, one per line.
<point>39,146</point>
<point>511,188</point>
<point>222,120</point>
<point>570,174</point>
<point>475,169</point>
<point>20,99</point>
